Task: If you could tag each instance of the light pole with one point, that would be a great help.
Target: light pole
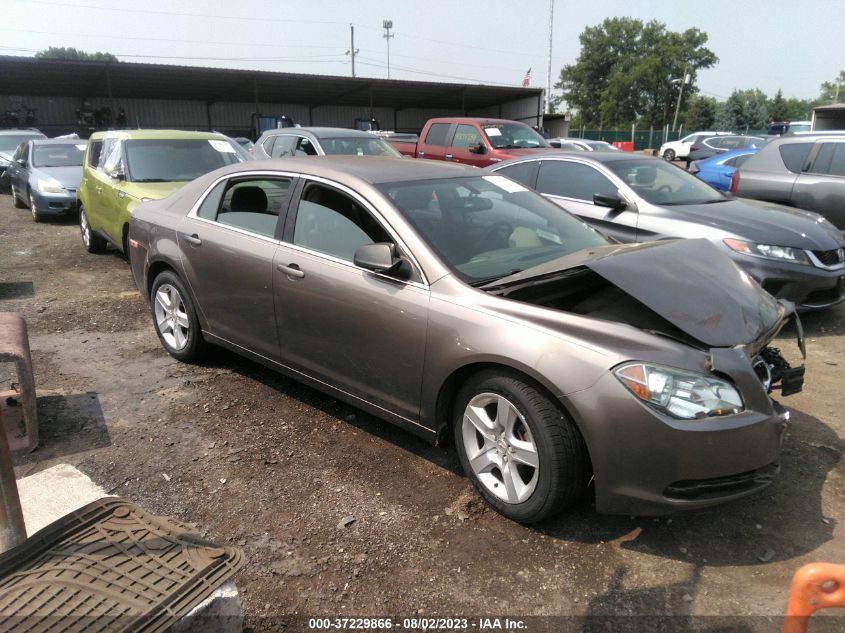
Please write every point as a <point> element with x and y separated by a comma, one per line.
<point>387,25</point>
<point>352,52</point>
<point>684,81</point>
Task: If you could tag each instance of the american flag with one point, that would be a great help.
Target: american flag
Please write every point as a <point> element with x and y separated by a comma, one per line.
<point>526,81</point>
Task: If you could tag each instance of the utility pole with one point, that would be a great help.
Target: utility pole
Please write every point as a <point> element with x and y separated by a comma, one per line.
<point>387,25</point>
<point>352,52</point>
<point>549,73</point>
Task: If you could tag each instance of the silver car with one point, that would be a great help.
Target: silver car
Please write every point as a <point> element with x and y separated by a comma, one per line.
<point>458,304</point>
<point>320,141</point>
<point>794,254</point>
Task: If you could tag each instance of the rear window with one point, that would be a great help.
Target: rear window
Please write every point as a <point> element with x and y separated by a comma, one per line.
<point>794,155</point>
<point>437,134</point>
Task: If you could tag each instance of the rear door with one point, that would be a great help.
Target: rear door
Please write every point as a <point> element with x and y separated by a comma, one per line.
<point>435,145</point>
<point>228,243</point>
<point>572,185</point>
<point>821,188</point>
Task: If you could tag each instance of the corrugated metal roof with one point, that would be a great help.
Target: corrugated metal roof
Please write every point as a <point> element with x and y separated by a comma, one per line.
<point>47,77</point>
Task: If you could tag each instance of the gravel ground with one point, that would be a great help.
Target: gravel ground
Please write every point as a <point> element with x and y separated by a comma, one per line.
<point>259,461</point>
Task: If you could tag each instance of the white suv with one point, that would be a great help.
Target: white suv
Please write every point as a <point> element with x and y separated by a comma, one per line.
<point>680,149</point>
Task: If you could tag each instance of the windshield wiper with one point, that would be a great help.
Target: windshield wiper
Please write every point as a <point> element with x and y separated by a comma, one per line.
<point>488,280</point>
<point>152,180</point>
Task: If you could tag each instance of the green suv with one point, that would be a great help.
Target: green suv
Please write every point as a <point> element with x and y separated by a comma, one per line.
<point>124,168</point>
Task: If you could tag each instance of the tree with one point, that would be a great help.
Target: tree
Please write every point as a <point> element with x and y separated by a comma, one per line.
<point>778,108</point>
<point>700,113</point>
<point>72,54</point>
<point>744,110</point>
<point>624,71</point>
<point>832,91</point>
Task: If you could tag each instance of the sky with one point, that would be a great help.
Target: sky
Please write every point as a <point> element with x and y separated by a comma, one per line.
<point>766,44</point>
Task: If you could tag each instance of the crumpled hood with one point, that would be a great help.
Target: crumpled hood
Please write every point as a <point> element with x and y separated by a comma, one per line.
<point>766,223</point>
<point>690,283</point>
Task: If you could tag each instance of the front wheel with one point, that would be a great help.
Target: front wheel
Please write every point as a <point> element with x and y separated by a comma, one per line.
<point>93,243</point>
<point>518,448</point>
<point>36,217</point>
<point>175,319</point>
<point>669,155</point>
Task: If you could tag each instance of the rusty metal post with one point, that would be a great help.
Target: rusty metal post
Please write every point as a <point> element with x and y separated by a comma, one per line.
<point>12,527</point>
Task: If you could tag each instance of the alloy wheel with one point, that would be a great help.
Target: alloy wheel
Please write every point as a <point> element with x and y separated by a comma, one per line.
<point>171,317</point>
<point>499,447</point>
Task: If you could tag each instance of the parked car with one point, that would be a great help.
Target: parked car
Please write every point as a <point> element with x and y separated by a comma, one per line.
<point>10,140</point>
<point>244,142</point>
<point>45,174</point>
<point>803,170</point>
<point>320,141</point>
<point>453,301</point>
<point>718,170</point>
<point>582,144</point>
<point>123,168</point>
<point>674,150</point>
<point>720,144</point>
<point>473,141</point>
<point>792,253</point>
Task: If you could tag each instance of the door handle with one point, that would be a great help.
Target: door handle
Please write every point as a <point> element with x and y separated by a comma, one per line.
<point>193,239</point>
<point>448,157</point>
<point>292,271</point>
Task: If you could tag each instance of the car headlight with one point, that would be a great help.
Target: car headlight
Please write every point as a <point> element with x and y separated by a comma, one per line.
<point>681,394</point>
<point>782,253</point>
<point>49,186</point>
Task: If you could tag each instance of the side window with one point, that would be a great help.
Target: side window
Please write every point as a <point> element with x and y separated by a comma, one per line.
<point>114,158</point>
<point>105,150</point>
<point>283,146</point>
<point>304,147</point>
<point>94,149</point>
<point>525,172</point>
<point>209,206</point>
<point>572,180</point>
<point>465,135</point>
<point>437,134</point>
<point>837,163</point>
<point>267,145</point>
<point>331,222</point>
<point>794,155</point>
<point>251,205</point>
<point>731,162</point>
<point>19,151</point>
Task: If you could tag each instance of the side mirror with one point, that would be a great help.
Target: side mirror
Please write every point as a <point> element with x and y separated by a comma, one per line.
<point>21,162</point>
<point>118,174</point>
<point>555,144</point>
<point>612,201</point>
<point>477,149</point>
<point>381,258</point>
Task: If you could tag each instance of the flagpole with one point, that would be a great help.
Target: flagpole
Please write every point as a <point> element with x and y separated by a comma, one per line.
<point>549,74</point>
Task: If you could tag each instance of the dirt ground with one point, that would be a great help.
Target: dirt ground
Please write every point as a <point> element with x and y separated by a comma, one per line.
<point>256,460</point>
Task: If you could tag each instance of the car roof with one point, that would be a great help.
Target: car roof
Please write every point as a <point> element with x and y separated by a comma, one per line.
<point>371,169</point>
<point>20,131</point>
<point>156,135</point>
<point>322,132</point>
<point>473,119</point>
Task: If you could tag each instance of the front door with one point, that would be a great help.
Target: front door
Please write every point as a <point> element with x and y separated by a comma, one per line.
<point>355,330</point>
<point>572,185</point>
<point>228,247</point>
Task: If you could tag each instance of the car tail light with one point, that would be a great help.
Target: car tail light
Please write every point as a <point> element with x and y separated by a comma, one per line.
<point>734,182</point>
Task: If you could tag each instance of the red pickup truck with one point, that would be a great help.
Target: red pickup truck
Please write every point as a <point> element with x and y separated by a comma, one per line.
<point>473,141</point>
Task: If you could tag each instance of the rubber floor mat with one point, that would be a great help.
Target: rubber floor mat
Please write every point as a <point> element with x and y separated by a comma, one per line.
<point>109,566</point>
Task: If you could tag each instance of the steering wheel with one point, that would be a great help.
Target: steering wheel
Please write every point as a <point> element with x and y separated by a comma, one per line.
<point>498,234</point>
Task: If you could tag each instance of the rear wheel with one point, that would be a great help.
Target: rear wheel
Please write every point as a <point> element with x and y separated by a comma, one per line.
<point>518,448</point>
<point>669,154</point>
<point>175,318</point>
<point>93,243</point>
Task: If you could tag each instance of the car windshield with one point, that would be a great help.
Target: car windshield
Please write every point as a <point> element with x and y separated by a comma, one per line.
<point>512,135</point>
<point>176,160</point>
<point>660,183</point>
<point>488,227</point>
<point>69,155</point>
<point>358,146</point>
<point>10,142</point>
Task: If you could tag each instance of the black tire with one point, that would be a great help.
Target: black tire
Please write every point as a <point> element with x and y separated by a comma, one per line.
<point>19,204</point>
<point>194,346</point>
<point>563,471</point>
<point>93,243</point>
<point>36,217</point>
<point>669,155</point>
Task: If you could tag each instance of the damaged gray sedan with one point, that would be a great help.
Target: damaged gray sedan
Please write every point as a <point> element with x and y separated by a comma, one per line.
<point>459,304</point>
